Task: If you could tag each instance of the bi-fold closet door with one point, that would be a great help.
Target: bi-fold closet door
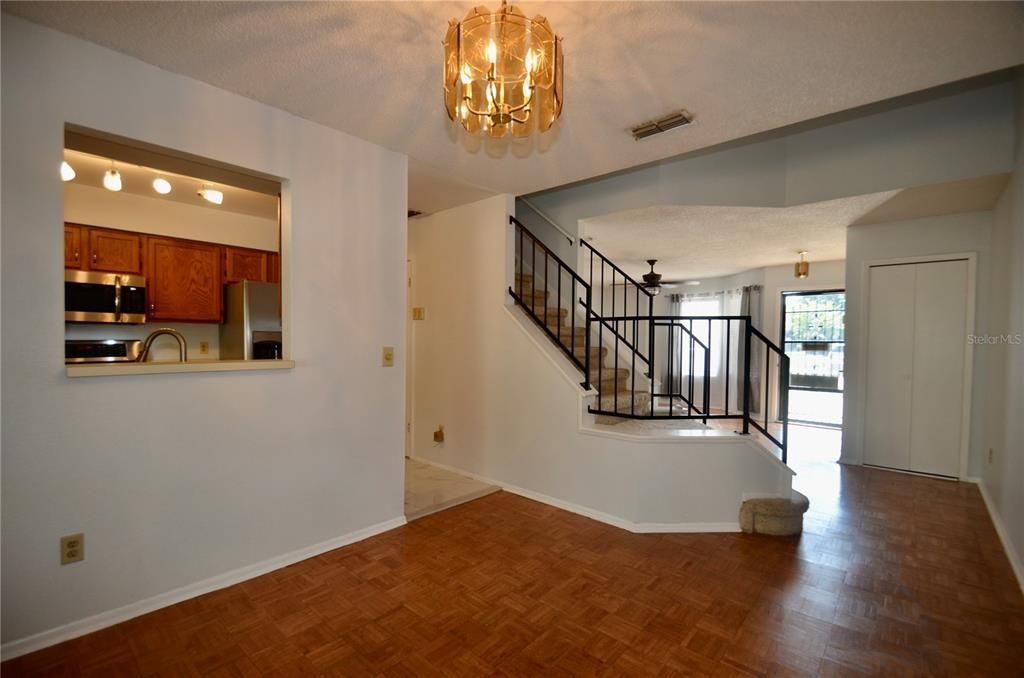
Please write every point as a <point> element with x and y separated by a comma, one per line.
<point>918,324</point>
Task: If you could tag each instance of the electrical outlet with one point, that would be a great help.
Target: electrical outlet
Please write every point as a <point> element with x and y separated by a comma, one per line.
<point>204,347</point>
<point>439,434</point>
<point>387,356</point>
<point>72,548</point>
<point>990,455</point>
<point>418,313</point>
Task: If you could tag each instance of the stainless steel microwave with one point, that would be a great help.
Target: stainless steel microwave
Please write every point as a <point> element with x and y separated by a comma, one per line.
<point>91,297</point>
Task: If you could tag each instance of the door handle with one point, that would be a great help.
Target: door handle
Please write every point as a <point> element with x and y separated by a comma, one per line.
<point>76,256</point>
<point>94,257</point>
<point>117,298</point>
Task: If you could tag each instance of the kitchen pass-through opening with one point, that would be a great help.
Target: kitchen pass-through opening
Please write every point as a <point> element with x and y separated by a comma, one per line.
<point>168,257</point>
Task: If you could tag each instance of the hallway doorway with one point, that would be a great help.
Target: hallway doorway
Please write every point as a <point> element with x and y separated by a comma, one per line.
<point>814,337</point>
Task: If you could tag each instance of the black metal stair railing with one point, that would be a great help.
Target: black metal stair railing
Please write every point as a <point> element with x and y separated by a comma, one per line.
<point>618,295</point>
<point>705,368</point>
<point>548,275</point>
<point>712,367</point>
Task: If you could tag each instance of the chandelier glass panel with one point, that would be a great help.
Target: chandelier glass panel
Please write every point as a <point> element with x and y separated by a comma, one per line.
<point>503,72</point>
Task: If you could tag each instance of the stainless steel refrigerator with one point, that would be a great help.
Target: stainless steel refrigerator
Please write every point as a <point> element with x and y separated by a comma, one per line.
<point>252,321</point>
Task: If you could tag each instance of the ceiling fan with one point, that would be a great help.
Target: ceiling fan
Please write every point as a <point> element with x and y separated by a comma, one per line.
<point>652,281</point>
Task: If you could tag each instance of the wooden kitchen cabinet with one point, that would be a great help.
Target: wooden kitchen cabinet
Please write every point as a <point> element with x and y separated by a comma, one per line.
<point>244,264</point>
<point>273,267</point>
<point>113,251</point>
<point>72,246</point>
<point>184,280</point>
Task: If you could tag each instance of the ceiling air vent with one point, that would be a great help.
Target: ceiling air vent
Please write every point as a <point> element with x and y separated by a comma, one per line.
<point>647,129</point>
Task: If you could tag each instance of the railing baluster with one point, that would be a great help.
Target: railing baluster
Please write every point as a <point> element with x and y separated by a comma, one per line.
<point>559,305</point>
<point>746,375</point>
<point>728,351</point>
<point>689,391</point>
<point>785,411</point>
<point>632,375</point>
<point>586,345</point>
<point>533,272</point>
<point>671,372</point>
<point>707,382</point>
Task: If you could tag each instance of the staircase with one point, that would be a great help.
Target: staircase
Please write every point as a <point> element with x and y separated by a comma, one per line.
<point>613,384</point>
<point>713,367</point>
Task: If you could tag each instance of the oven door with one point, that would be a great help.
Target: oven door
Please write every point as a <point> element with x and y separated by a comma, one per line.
<point>91,297</point>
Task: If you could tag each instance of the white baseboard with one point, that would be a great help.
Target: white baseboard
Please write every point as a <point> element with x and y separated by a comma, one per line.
<point>593,514</point>
<point>38,641</point>
<point>684,528</point>
<point>997,521</point>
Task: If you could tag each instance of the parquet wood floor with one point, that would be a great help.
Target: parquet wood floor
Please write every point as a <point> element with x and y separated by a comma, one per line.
<point>894,575</point>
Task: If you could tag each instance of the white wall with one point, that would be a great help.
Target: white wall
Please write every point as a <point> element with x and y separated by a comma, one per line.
<point>177,478</point>
<point>540,227</point>
<point>511,404</point>
<point>1003,477</point>
<point>960,233</point>
<point>131,212</point>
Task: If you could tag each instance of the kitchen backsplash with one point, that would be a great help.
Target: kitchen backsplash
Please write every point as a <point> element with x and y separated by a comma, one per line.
<point>164,348</point>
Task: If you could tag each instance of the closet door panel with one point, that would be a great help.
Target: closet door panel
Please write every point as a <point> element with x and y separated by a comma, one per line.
<point>890,355</point>
<point>940,341</point>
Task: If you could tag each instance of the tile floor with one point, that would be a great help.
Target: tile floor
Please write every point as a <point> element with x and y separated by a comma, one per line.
<point>429,489</point>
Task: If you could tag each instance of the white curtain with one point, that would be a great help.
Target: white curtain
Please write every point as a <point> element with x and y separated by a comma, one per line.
<point>725,346</point>
<point>713,335</point>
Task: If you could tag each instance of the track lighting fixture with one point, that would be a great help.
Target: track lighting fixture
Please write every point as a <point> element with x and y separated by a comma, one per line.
<point>211,195</point>
<point>112,179</point>
<point>161,186</point>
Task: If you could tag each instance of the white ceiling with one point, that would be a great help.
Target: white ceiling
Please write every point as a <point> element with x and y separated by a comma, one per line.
<point>374,70</point>
<point>89,171</point>
<point>696,241</point>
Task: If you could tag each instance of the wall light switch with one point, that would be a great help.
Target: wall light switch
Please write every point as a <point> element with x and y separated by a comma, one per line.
<point>72,548</point>
<point>418,313</point>
<point>387,356</point>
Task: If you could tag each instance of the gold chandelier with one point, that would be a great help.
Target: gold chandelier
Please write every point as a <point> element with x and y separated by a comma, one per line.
<point>502,71</point>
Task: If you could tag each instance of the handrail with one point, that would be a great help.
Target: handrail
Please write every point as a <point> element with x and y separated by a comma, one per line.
<point>607,323</point>
<point>569,269</point>
<point>771,344</point>
<point>548,219</point>
<point>615,268</point>
<point>543,320</point>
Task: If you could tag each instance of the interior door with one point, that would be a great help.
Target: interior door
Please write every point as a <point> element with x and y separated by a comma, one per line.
<point>940,340</point>
<point>890,356</point>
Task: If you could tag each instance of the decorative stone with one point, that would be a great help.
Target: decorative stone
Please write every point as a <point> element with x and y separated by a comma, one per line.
<point>774,516</point>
